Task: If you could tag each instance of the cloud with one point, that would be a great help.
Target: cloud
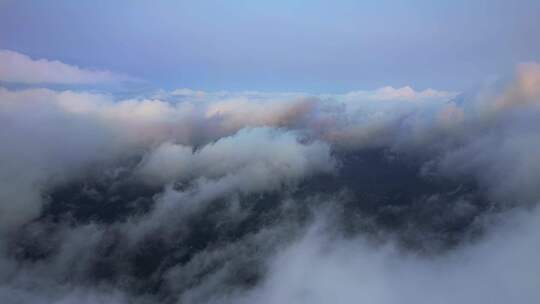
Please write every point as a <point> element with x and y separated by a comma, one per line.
<point>405,93</point>
<point>185,92</point>
<point>19,68</point>
<point>265,158</point>
<point>353,270</point>
<point>88,123</point>
<point>95,128</point>
<point>234,196</point>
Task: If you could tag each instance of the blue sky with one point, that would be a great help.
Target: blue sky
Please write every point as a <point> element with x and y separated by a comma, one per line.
<point>313,46</point>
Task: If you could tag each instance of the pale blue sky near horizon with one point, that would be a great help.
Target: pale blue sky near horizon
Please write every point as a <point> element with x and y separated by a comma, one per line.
<point>311,46</point>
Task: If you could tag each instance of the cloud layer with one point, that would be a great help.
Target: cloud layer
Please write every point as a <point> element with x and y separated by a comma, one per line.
<point>224,197</point>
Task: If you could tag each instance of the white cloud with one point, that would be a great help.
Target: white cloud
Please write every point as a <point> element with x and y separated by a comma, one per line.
<point>185,92</point>
<point>223,145</point>
<point>263,158</point>
<point>404,93</point>
<point>320,268</point>
<point>19,68</point>
<point>87,123</point>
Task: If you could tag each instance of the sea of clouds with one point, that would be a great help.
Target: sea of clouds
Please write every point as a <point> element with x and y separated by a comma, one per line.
<point>187,196</point>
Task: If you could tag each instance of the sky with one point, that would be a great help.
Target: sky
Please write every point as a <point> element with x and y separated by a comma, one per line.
<point>309,46</point>
<point>214,151</point>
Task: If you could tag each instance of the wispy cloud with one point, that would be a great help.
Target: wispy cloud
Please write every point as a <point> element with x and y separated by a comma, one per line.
<point>19,68</point>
